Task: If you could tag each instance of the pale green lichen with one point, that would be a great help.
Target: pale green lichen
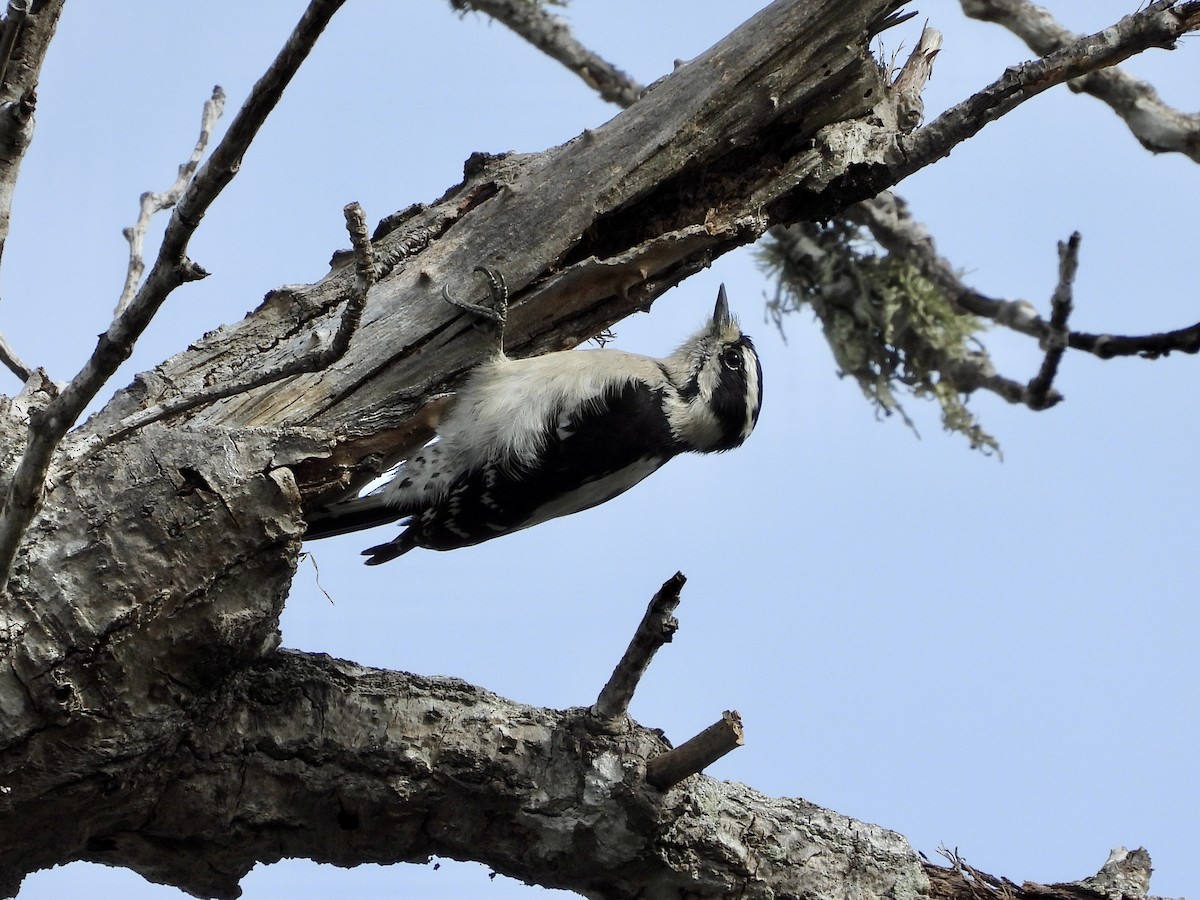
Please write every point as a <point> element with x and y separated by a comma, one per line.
<point>888,326</point>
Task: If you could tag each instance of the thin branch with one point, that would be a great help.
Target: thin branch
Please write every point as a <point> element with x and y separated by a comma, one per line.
<point>171,269</point>
<point>694,756</point>
<point>12,362</point>
<point>552,35</point>
<point>153,202</point>
<point>890,223</point>
<point>1158,127</point>
<point>978,884</point>
<point>1161,24</point>
<point>315,361</point>
<point>1038,395</point>
<point>1147,346</point>
<point>657,627</point>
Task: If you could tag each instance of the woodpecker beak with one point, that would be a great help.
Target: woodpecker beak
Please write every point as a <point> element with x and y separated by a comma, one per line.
<point>721,317</point>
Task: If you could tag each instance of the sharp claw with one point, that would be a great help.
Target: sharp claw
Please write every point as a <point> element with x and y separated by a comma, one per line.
<point>497,313</point>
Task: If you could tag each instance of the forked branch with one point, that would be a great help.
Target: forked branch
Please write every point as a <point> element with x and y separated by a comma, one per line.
<point>1159,127</point>
<point>893,227</point>
<point>49,424</point>
<point>1161,24</point>
<point>1038,395</point>
<point>152,202</point>
<point>657,627</point>
<point>313,361</point>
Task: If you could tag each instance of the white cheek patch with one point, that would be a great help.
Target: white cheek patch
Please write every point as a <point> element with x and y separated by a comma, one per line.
<point>753,386</point>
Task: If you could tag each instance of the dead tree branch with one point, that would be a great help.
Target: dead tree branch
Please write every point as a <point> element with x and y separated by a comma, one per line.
<point>1161,24</point>
<point>12,362</point>
<point>314,361</point>
<point>892,225</point>
<point>909,84</point>
<point>143,613</point>
<point>14,20</point>
<point>26,38</point>
<point>1159,128</point>
<point>533,793</point>
<point>552,36</point>
<point>636,241</point>
<point>152,202</point>
<point>657,627</point>
<point>171,269</point>
<point>695,755</point>
<point>464,774</point>
<point>585,233</point>
<point>1125,874</point>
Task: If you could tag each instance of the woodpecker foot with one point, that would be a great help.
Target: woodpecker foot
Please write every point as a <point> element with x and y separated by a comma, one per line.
<point>497,312</point>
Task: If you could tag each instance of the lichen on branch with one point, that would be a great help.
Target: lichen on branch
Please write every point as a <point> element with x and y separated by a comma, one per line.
<point>889,327</point>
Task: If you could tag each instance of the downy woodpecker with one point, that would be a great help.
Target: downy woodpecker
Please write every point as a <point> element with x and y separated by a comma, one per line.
<point>527,440</point>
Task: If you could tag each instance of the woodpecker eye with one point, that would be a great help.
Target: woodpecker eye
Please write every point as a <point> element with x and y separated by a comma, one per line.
<point>732,358</point>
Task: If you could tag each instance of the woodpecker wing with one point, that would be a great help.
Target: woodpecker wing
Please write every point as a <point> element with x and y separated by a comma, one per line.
<point>594,453</point>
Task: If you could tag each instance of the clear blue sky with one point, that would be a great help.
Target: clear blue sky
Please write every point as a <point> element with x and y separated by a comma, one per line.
<point>997,656</point>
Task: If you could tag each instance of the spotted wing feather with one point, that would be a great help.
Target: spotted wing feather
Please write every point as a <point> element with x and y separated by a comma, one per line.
<point>592,456</point>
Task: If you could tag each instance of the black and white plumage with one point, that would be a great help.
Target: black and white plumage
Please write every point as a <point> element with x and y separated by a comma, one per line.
<point>528,440</point>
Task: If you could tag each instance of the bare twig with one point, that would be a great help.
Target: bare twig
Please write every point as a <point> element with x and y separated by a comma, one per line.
<point>657,627</point>
<point>894,228</point>
<point>1038,395</point>
<point>1161,24</point>
<point>364,264</point>
<point>978,884</point>
<point>153,202</point>
<point>694,756</point>
<point>551,35</point>
<point>12,362</point>
<point>171,269</point>
<point>1158,127</point>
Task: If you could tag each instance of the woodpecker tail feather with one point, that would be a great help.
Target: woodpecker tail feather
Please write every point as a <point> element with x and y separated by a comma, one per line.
<point>397,546</point>
<point>350,515</point>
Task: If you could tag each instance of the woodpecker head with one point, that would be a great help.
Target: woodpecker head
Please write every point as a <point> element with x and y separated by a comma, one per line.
<point>719,379</point>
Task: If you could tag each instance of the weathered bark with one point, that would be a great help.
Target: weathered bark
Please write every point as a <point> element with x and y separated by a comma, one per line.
<point>584,233</point>
<point>147,718</point>
<point>303,755</point>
